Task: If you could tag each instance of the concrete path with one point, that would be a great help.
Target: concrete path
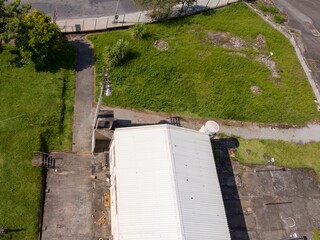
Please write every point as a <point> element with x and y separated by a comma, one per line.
<point>306,134</point>
<point>83,106</point>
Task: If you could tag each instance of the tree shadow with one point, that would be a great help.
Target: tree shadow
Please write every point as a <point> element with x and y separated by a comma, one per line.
<point>232,203</point>
<point>17,61</point>
<point>61,58</point>
<point>84,54</point>
<point>131,55</point>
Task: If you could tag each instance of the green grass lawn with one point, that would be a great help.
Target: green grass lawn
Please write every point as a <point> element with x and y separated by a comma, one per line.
<point>286,154</point>
<point>195,78</point>
<point>35,114</point>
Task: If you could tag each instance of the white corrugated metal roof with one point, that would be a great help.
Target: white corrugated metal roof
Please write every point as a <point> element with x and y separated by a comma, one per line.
<point>166,185</point>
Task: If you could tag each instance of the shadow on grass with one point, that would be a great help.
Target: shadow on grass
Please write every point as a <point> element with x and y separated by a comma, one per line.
<point>43,143</point>
<point>236,221</point>
<point>63,106</point>
<point>17,61</point>
<point>62,58</point>
<point>9,230</point>
<point>131,55</point>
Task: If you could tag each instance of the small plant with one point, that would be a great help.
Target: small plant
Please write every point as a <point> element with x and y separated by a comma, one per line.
<point>115,54</point>
<point>271,9</point>
<point>264,8</point>
<point>139,31</point>
<point>278,18</point>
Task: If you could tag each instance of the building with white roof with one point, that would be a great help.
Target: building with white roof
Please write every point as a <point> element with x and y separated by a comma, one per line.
<point>164,185</point>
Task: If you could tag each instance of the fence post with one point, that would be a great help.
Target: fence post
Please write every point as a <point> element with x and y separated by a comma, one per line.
<point>139,17</point>
<point>95,24</point>
<point>82,24</point>
<point>107,23</point>
<point>65,26</point>
<point>123,19</point>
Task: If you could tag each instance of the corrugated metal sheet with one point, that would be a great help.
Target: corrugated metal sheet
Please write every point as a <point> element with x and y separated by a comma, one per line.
<point>166,186</point>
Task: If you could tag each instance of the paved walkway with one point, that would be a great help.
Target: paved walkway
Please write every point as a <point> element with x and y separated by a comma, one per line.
<point>309,133</point>
<point>83,103</point>
<point>74,202</point>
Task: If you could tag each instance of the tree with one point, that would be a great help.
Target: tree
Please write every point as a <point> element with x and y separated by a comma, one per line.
<point>37,38</point>
<point>161,9</point>
<point>10,16</point>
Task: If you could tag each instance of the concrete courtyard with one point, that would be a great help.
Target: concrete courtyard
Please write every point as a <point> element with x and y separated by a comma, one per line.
<point>267,202</point>
<point>74,205</point>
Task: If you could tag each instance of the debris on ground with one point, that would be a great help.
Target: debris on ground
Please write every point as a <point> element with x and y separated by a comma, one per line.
<point>102,220</point>
<point>259,43</point>
<point>269,63</point>
<point>161,45</point>
<point>226,40</point>
<point>231,153</point>
<point>255,89</point>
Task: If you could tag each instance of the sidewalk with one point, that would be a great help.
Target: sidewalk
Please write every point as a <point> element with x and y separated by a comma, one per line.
<point>305,134</point>
<point>83,102</point>
<point>109,22</point>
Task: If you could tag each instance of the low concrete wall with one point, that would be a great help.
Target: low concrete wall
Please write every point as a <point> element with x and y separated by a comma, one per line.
<point>124,20</point>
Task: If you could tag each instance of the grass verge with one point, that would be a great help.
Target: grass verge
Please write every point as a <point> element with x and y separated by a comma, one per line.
<point>195,78</point>
<point>286,154</point>
<point>36,114</point>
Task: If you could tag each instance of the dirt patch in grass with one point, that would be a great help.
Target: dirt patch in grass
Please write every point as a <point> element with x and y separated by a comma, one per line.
<point>259,43</point>
<point>269,63</point>
<point>255,90</point>
<point>227,40</point>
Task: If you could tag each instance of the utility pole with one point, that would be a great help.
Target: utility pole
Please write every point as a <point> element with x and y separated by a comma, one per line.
<point>106,88</point>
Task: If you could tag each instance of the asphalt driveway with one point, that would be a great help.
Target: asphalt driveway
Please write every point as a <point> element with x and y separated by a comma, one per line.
<point>304,16</point>
<point>71,9</point>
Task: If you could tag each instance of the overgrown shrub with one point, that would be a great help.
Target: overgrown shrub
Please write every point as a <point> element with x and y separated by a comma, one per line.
<point>273,10</point>
<point>139,31</point>
<point>263,7</point>
<point>278,18</point>
<point>114,55</point>
<point>267,8</point>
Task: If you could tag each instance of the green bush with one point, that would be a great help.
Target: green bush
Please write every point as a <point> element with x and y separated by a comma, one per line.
<point>139,31</point>
<point>278,18</point>
<point>114,55</point>
<point>264,8</point>
<point>271,9</point>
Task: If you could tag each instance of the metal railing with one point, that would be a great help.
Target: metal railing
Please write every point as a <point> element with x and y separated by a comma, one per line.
<point>129,19</point>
